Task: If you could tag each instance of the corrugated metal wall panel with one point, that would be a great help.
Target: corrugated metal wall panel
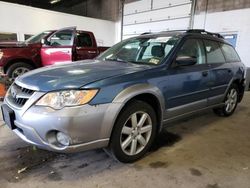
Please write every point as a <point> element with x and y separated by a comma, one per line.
<point>168,3</point>
<point>155,15</point>
<point>176,24</point>
<point>138,6</point>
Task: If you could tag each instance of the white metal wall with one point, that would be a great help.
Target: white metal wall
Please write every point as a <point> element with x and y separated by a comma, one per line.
<point>155,15</point>
<point>29,20</point>
<point>229,22</point>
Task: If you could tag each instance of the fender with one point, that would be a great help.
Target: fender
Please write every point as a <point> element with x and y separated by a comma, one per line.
<point>123,97</point>
<point>128,93</point>
<point>230,83</point>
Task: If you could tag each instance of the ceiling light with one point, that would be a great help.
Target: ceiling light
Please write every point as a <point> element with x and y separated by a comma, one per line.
<point>54,1</point>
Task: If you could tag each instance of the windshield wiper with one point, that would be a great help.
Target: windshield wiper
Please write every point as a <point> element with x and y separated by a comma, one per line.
<point>116,59</point>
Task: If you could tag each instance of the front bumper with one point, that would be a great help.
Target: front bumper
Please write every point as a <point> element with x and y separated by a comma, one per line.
<point>89,127</point>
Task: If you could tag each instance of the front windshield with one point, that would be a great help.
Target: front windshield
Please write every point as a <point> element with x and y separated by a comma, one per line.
<point>37,38</point>
<point>149,50</point>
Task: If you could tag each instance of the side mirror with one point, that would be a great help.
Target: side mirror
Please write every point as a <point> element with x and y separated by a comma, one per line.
<point>185,60</point>
<point>45,42</point>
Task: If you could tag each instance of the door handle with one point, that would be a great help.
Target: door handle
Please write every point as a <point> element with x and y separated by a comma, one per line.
<point>92,52</point>
<point>204,73</point>
<point>66,51</point>
<point>229,71</point>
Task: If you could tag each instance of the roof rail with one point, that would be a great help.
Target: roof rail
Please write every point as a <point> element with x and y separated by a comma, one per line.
<point>175,30</point>
<point>202,31</point>
<point>146,33</point>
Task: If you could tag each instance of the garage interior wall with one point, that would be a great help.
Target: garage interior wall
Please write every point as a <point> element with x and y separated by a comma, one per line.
<point>101,9</point>
<point>28,20</point>
<point>155,15</point>
<point>228,17</point>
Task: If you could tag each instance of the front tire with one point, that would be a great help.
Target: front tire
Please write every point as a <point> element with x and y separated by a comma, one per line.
<point>134,132</point>
<point>231,102</point>
<point>18,69</point>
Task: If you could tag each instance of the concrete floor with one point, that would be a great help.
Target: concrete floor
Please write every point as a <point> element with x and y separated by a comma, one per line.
<point>205,151</point>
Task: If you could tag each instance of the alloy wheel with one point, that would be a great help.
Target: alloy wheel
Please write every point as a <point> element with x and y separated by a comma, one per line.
<point>231,100</point>
<point>136,133</point>
<point>19,71</point>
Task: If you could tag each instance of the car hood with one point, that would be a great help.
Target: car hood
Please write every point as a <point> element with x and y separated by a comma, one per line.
<point>75,75</point>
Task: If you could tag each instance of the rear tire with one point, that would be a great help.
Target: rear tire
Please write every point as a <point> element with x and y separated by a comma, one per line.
<point>18,69</point>
<point>230,102</point>
<point>134,132</point>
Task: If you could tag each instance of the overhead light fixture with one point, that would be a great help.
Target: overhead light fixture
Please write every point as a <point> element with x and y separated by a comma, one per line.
<point>54,1</point>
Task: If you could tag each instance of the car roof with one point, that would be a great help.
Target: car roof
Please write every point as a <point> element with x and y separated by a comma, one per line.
<point>184,33</point>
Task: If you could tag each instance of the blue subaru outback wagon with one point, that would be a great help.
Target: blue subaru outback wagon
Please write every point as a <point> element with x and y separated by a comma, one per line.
<point>123,99</point>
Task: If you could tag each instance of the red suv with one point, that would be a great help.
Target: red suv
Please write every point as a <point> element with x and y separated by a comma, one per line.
<point>47,48</point>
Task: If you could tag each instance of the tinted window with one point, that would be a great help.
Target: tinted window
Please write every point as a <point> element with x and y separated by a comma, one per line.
<point>214,53</point>
<point>230,53</point>
<point>84,40</point>
<point>129,51</point>
<point>142,50</point>
<point>148,51</point>
<point>62,38</point>
<point>193,48</point>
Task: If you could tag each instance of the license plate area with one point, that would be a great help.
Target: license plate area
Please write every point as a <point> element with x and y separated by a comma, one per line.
<point>8,116</point>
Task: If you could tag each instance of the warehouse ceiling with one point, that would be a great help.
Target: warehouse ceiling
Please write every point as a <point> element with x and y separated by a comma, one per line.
<point>102,9</point>
<point>46,4</point>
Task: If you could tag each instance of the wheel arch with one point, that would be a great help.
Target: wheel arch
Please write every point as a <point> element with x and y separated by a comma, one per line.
<point>18,60</point>
<point>240,83</point>
<point>143,92</point>
<point>241,87</point>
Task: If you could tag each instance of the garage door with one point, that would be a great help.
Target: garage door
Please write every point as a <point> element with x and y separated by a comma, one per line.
<point>156,15</point>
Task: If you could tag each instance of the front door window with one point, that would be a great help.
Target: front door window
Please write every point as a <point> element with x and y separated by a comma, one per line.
<point>193,48</point>
<point>62,38</point>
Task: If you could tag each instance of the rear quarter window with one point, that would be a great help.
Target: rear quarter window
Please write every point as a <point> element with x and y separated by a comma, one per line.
<point>230,53</point>
<point>214,52</point>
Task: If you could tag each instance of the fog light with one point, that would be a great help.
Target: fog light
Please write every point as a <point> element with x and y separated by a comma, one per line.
<point>63,138</point>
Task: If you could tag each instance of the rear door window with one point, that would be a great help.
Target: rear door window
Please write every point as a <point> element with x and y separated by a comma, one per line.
<point>84,40</point>
<point>214,52</point>
<point>230,53</point>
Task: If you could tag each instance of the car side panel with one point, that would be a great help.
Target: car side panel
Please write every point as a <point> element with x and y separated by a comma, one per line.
<point>174,89</point>
<point>186,89</point>
<point>221,75</point>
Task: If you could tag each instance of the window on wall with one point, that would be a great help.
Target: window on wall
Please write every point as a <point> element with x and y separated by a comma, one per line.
<point>231,38</point>
<point>8,37</point>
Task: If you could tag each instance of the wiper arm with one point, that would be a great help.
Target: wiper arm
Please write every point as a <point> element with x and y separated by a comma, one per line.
<point>116,59</point>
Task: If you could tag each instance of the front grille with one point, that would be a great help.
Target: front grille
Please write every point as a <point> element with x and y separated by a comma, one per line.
<point>19,95</point>
<point>20,101</point>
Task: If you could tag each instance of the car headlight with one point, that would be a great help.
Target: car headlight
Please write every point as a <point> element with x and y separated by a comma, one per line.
<point>60,99</point>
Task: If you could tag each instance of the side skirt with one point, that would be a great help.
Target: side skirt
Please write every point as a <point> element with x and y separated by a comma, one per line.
<point>179,117</point>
